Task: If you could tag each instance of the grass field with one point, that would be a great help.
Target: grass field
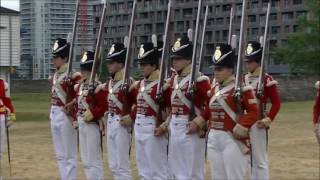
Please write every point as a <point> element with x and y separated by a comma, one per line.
<point>293,152</point>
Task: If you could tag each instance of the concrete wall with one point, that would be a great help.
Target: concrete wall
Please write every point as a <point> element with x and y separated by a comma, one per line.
<point>291,88</point>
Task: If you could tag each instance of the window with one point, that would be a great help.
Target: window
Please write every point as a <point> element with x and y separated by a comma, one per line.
<point>255,31</point>
<point>275,30</point>
<point>297,2</point>
<point>226,8</point>
<point>187,12</point>
<point>273,17</point>
<point>252,18</point>
<point>219,21</point>
<point>217,36</point>
<point>301,14</point>
<point>287,16</point>
<point>287,29</point>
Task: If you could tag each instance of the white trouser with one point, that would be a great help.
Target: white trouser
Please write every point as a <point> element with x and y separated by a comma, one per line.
<point>118,145</point>
<point>227,162</point>
<point>90,149</point>
<point>258,138</point>
<point>64,138</point>
<point>151,151</point>
<point>186,152</point>
<point>3,134</point>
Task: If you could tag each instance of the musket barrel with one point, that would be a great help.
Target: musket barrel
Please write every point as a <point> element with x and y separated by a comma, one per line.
<point>240,50</point>
<point>99,39</point>
<point>164,48</point>
<point>195,43</point>
<point>264,45</point>
<point>73,37</point>
<point>230,25</point>
<point>125,76</point>
<point>204,26</point>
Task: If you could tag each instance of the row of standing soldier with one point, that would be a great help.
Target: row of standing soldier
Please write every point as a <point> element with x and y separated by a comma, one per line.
<point>170,116</point>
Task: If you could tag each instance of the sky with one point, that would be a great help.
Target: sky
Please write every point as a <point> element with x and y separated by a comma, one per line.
<point>11,4</point>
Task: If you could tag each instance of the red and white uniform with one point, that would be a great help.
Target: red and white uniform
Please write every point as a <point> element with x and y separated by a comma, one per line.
<point>89,132</point>
<point>186,152</point>
<point>6,109</point>
<point>258,136</point>
<point>63,134</point>
<point>118,136</point>
<point>228,156</point>
<point>151,151</point>
<point>316,113</point>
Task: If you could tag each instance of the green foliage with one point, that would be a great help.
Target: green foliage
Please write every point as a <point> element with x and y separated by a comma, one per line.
<point>302,51</point>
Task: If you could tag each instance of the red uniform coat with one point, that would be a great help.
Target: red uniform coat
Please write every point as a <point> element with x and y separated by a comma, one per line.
<point>96,103</point>
<point>316,107</point>
<point>116,97</point>
<point>270,91</point>
<point>148,86</point>
<point>218,117</point>
<point>61,90</point>
<point>178,105</point>
<point>5,101</point>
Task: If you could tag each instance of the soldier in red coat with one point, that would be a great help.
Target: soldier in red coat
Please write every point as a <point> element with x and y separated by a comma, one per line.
<point>151,150</point>
<point>7,113</point>
<point>119,121</point>
<point>91,107</point>
<point>64,134</point>
<point>316,113</point>
<point>228,138</point>
<point>258,134</point>
<point>186,149</point>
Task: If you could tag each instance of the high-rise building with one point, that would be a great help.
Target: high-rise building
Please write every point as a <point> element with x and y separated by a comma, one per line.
<point>151,17</point>
<point>44,21</point>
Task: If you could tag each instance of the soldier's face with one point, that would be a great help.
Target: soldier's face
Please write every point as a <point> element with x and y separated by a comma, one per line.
<point>114,67</point>
<point>85,74</point>
<point>58,61</point>
<point>222,73</point>
<point>252,65</point>
<point>146,69</point>
<point>179,64</point>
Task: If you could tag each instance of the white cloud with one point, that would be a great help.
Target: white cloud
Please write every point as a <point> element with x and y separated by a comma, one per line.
<point>11,4</point>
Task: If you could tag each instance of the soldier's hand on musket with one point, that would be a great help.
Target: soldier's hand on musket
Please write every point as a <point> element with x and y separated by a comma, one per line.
<point>69,106</point>
<point>9,123</point>
<point>264,123</point>
<point>191,91</point>
<point>75,124</point>
<point>159,131</point>
<point>192,127</point>
<point>126,121</point>
<point>240,132</point>
<point>68,81</point>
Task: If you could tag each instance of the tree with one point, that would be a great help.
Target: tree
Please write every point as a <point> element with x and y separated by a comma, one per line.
<point>302,51</point>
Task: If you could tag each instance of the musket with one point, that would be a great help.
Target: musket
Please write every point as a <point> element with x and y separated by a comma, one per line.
<point>230,25</point>
<point>8,149</point>
<point>96,63</point>
<point>194,62</point>
<point>238,84</point>
<point>260,87</point>
<point>125,85</point>
<point>163,63</point>
<point>204,26</point>
<point>96,60</point>
<point>72,39</point>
